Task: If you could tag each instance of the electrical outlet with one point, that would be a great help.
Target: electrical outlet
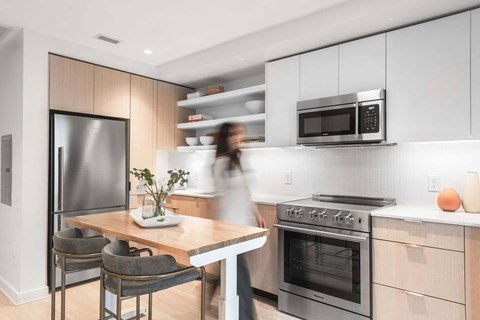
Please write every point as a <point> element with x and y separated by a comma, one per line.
<point>194,175</point>
<point>434,183</point>
<point>288,177</point>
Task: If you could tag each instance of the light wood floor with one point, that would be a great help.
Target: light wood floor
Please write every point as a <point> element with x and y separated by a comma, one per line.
<point>180,302</point>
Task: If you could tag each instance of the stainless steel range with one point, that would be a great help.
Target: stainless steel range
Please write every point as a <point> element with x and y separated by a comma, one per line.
<point>324,256</point>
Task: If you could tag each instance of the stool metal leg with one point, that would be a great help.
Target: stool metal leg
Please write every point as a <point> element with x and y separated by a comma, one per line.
<point>150,306</point>
<point>53,274</point>
<point>138,308</point>
<point>119,299</point>
<point>63,288</point>
<point>102,295</point>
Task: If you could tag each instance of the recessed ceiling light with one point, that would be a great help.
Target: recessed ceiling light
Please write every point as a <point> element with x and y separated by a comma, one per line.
<point>147,51</point>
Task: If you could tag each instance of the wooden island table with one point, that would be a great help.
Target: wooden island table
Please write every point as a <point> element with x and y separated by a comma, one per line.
<point>195,241</point>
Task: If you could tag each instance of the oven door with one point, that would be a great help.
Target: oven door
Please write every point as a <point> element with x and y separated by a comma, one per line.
<point>328,124</point>
<point>327,265</point>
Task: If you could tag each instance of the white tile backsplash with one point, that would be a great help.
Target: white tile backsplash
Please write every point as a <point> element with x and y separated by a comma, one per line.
<point>394,171</point>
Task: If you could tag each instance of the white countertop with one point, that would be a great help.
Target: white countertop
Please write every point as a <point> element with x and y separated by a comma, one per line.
<point>429,214</point>
<point>259,198</point>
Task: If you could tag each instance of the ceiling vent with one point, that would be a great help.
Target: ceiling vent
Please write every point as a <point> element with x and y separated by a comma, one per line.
<point>107,39</point>
<point>3,31</point>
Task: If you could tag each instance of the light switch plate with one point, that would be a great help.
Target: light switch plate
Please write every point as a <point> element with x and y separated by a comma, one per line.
<point>288,177</point>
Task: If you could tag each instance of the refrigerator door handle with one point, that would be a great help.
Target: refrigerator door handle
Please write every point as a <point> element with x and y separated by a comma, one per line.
<point>60,179</point>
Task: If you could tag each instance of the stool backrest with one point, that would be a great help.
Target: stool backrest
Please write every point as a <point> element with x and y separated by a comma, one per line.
<point>73,241</point>
<point>117,259</point>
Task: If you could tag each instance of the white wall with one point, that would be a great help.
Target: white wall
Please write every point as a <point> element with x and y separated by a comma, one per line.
<point>11,86</point>
<point>26,114</point>
<point>399,171</point>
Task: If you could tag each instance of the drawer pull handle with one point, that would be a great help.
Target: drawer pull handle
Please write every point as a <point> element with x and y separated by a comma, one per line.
<point>413,245</point>
<point>414,294</point>
<point>412,220</point>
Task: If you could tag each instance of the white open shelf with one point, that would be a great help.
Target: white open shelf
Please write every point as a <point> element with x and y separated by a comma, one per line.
<point>225,98</point>
<point>213,147</point>
<point>212,124</point>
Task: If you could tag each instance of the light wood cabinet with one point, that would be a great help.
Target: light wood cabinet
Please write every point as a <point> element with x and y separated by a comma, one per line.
<point>361,65</point>
<point>394,304</point>
<point>430,271</point>
<point>282,80</point>
<point>428,81</point>
<point>428,234</point>
<point>143,119</point>
<point>424,270</point>
<point>111,93</point>
<point>70,85</point>
<point>169,115</point>
<point>263,262</point>
<point>190,206</point>
<point>472,272</point>
<point>319,73</point>
<point>475,85</point>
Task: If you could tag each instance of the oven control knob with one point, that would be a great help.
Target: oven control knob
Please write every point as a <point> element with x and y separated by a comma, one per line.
<point>299,213</point>
<point>313,215</point>
<point>349,219</point>
<point>322,216</point>
<point>289,212</point>
<point>338,218</point>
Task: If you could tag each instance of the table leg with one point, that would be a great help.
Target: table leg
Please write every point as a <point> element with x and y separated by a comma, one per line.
<point>228,303</point>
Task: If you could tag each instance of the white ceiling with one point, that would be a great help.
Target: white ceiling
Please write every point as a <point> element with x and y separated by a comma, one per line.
<point>210,41</point>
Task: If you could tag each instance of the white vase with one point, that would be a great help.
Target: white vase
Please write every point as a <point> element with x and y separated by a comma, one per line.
<point>471,193</point>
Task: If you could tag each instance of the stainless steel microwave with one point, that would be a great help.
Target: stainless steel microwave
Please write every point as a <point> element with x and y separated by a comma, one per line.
<point>346,119</point>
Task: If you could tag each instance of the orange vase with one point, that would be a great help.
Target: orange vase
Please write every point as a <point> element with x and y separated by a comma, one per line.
<point>449,200</point>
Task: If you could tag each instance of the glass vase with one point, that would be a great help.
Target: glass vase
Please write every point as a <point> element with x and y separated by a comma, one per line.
<point>148,207</point>
<point>159,207</point>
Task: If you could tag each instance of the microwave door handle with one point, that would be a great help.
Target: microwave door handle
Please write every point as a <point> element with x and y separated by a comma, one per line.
<point>357,121</point>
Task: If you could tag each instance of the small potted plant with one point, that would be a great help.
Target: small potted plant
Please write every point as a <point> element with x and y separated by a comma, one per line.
<point>156,190</point>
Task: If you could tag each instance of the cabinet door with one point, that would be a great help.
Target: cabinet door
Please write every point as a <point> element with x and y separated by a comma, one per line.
<point>71,85</point>
<point>428,81</point>
<point>472,275</point>
<point>393,304</point>
<point>282,80</point>
<point>189,206</point>
<point>475,74</point>
<point>166,123</point>
<point>263,262</point>
<point>112,93</point>
<point>142,126</point>
<point>181,116</point>
<point>319,73</point>
<point>362,65</point>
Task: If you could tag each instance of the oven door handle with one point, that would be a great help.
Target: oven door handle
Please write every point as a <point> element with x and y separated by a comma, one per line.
<point>321,233</point>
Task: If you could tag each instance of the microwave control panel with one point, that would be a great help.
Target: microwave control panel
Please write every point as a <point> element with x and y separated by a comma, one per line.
<point>369,118</point>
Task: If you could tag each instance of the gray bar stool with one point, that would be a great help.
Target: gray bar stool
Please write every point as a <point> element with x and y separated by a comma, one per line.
<point>127,274</point>
<point>76,251</point>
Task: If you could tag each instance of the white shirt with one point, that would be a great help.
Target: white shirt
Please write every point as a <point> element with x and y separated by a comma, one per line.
<point>232,193</point>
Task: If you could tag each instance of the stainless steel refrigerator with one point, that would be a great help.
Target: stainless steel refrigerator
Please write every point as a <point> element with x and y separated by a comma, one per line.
<point>88,170</point>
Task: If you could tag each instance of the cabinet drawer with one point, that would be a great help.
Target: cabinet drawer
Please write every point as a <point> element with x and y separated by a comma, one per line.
<point>427,234</point>
<point>434,272</point>
<point>394,304</point>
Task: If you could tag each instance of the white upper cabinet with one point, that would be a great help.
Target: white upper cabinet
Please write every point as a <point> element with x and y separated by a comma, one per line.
<point>428,81</point>
<point>282,93</point>
<point>362,65</point>
<point>319,73</point>
<point>476,74</point>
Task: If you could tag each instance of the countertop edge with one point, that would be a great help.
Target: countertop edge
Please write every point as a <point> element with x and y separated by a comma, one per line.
<point>429,214</point>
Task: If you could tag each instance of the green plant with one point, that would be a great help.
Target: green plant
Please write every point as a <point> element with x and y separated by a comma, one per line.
<point>157,190</point>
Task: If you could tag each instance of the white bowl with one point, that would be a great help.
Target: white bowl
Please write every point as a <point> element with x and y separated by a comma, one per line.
<point>191,141</point>
<point>206,140</point>
<point>255,106</point>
